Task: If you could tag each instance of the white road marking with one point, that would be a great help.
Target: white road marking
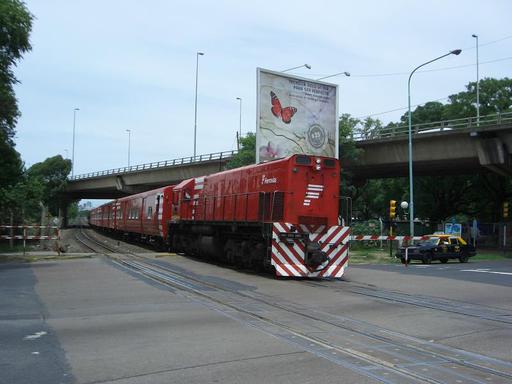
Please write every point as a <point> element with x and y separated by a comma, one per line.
<point>487,270</point>
<point>36,335</point>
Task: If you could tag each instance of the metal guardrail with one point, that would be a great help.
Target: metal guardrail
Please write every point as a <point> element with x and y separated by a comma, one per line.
<point>158,164</point>
<point>381,133</point>
<point>433,127</point>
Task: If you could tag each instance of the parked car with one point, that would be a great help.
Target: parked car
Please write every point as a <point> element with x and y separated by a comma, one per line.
<point>438,247</point>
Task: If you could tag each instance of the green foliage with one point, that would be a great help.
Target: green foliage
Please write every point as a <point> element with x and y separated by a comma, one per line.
<point>52,174</point>
<point>247,153</point>
<point>41,183</point>
<point>437,197</point>
<point>15,27</point>
<point>495,97</point>
<point>370,227</point>
<point>10,163</point>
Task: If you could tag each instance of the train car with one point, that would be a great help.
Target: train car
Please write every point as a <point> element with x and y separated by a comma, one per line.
<point>95,217</point>
<point>282,214</point>
<point>144,215</point>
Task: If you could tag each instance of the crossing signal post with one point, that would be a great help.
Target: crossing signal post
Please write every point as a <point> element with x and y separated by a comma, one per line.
<point>392,215</point>
<point>505,217</point>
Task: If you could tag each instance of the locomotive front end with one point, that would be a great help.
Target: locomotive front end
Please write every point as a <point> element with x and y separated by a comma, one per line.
<point>309,242</point>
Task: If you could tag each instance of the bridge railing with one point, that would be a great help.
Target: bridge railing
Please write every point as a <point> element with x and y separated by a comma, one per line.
<point>437,126</point>
<point>158,164</point>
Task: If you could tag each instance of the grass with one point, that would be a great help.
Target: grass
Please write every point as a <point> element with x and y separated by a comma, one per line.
<point>486,255</point>
<point>363,255</point>
<point>5,248</point>
<point>371,256</point>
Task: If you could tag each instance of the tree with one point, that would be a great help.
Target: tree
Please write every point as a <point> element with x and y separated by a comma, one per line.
<point>15,27</point>
<point>247,153</point>
<point>430,112</point>
<point>495,97</point>
<point>52,174</point>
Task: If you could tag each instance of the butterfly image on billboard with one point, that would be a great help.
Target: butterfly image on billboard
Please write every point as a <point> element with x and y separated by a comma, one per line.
<point>286,113</point>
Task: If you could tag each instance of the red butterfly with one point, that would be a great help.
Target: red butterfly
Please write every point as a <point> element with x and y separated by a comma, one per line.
<point>284,113</point>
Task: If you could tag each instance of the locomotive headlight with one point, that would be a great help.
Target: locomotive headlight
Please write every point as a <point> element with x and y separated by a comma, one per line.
<point>318,167</point>
<point>318,161</point>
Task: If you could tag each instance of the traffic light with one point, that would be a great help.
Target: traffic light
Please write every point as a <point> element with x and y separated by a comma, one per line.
<point>505,209</point>
<point>392,209</point>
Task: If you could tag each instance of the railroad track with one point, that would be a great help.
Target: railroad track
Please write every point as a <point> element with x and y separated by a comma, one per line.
<point>439,304</point>
<point>376,352</point>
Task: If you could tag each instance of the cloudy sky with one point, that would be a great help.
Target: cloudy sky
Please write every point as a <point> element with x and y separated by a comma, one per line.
<point>131,65</point>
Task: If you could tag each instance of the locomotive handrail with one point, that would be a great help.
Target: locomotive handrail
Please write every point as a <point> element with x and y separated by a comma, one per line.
<point>158,164</point>
<point>436,126</point>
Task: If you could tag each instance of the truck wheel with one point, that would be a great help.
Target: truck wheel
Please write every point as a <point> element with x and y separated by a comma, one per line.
<point>444,260</point>
<point>463,258</point>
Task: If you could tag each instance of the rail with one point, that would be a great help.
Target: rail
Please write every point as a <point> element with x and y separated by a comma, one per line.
<point>434,127</point>
<point>158,164</point>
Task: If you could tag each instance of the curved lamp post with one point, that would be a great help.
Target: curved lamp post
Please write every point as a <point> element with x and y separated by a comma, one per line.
<point>300,66</point>
<point>336,74</point>
<point>411,195</point>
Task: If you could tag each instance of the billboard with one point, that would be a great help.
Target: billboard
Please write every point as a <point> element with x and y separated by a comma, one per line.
<point>295,115</point>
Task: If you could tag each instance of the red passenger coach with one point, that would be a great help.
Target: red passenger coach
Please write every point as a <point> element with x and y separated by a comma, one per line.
<point>282,214</point>
<point>144,215</point>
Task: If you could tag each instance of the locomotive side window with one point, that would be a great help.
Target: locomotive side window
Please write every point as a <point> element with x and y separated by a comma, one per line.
<point>150,212</point>
<point>330,163</point>
<point>303,160</point>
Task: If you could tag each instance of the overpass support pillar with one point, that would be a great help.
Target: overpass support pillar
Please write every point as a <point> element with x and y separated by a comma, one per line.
<point>129,190</point>
<point>494,155</point>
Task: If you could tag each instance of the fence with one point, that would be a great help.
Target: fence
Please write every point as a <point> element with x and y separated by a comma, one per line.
<point>30,232</point>
<point>438,126</point>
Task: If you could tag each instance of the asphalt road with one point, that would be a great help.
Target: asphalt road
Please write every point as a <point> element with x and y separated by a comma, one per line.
<point>490,272</point>
<point>90,321</point>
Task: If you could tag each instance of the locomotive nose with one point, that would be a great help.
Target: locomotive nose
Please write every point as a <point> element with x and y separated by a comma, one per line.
<point>314,255</point>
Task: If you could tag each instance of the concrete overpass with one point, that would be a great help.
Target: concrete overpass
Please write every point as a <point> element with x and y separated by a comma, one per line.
<point>447,147</point>
<point>124,181</point>
<point>460,146</point>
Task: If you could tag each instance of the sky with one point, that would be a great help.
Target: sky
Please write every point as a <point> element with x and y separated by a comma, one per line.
<point>131,65</point>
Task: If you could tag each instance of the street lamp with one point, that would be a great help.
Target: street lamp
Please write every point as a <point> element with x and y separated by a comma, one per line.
<point>477,85</point>
<point>240,128</point>
<point>411,193</point>
<point>195,104</point>
<point>300,66</point>
<point>129,142</point>
<point>336,74</point>
<point>73,149</point>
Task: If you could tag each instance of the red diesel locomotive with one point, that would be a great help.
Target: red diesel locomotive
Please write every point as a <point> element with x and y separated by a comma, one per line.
<point>282,214</point>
